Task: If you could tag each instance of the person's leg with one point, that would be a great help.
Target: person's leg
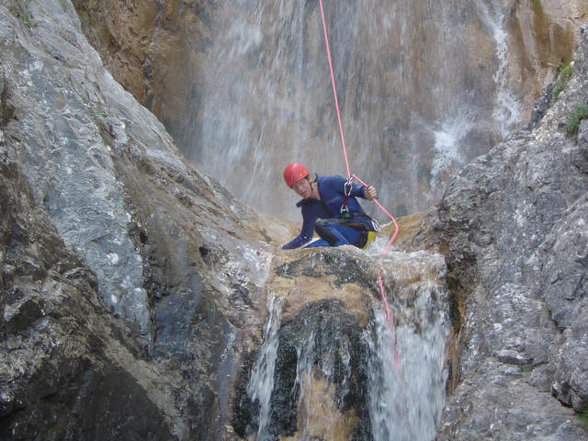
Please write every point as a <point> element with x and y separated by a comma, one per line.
<point>317,243</point>
<point>335,233</point>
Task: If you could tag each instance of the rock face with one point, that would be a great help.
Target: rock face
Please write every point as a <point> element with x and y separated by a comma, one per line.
<point>140,300</point>
<point>118,259</point>
<point>328,367</point>
<point>515,220</point>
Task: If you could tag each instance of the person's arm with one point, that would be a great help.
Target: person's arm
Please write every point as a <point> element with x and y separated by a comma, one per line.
<point>305,235</point>
<point>364,192</point>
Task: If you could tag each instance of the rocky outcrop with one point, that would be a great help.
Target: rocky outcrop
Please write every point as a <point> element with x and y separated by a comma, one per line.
<point>122,297</point>
<point>328,367</point>
<point>62,348</point>
<point>152,49</point>
<point>515,224</point>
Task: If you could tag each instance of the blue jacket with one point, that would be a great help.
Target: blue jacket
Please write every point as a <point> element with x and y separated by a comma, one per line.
<point>332,192</point>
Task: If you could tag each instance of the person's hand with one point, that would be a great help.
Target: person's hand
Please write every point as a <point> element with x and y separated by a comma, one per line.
<point>371,193</point>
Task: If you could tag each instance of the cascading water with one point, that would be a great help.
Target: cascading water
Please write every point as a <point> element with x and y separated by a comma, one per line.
<point>507,109</point>
<point>321,376</point>
<point>407,396</point>
<point>411,113</point>
<point>406,359</point>
<point>261,382</point>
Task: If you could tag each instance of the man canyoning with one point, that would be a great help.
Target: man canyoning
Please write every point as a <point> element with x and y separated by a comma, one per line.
<point>330,208</point>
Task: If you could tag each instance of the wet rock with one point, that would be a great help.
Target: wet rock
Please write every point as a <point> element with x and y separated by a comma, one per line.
<point>329,341</point>
<point>134,287</point>
<point>524,308</point>
<point>102,280</point>
<point>337,263</point>
<point>325,374</point>
<point>54,335</point>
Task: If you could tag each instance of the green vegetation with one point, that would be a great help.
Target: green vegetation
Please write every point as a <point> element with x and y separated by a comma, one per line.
<point>579,113</point>
<point>583,416</point>
<point>564,70</point>
<point>536,6</point>
<point>25,19</point>
<point>101,114</point>
<point>563,75</point>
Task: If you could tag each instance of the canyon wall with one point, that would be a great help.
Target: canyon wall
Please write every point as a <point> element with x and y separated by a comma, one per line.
<point>136,292</point>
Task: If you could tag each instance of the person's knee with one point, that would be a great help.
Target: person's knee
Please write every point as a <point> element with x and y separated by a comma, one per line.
<point>321,227</point>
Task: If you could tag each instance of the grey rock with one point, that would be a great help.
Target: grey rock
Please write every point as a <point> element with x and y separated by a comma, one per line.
<point>112,324</point>
<point>509,356</point>
<point>527,304</point>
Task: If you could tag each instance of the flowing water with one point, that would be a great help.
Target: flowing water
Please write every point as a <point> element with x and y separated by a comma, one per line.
<point>423,88</point>
<point>404,362</point>
<point>261,382</point>
<point>507,109</point>
<point>407,376</point>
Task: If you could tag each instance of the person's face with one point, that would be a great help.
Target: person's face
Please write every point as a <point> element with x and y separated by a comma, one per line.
<point>303,188</point>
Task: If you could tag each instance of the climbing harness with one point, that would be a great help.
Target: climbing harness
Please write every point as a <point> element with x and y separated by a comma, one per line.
<point>350,177</point>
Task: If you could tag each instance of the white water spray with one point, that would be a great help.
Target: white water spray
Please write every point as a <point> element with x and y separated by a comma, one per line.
<point>261,383</point>
<point>447,152</point>
<point>406,399</point>
<point>507,109</point>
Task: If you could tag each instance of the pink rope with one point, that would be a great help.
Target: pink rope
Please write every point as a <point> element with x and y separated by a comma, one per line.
<point>389,314</point>
<point>334,89</point>
<point>387,213</point>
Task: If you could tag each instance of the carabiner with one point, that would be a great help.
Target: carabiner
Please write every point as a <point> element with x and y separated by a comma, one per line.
<point>348,186</point>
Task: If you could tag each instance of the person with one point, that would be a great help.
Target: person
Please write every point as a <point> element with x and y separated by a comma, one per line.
<point>330,208</point>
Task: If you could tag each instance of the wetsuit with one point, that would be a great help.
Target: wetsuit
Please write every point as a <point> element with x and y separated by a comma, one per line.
<point>324,216</point>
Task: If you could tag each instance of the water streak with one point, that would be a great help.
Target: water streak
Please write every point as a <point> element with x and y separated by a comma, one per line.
<point>261,383</point>
<point>507,110</point>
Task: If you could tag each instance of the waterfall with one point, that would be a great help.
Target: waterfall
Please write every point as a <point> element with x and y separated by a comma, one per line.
<point>411,114</point>
<point>320,376</point>
<point>507,110</point>
<point>406,398</point>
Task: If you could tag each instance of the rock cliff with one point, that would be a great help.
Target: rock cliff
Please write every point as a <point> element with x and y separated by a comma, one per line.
<point>118,259</point>
<point>140,300</point>
<point>514,221</point>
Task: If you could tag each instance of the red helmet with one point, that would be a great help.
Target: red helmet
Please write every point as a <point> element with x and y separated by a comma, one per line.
<point>294,173</point>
